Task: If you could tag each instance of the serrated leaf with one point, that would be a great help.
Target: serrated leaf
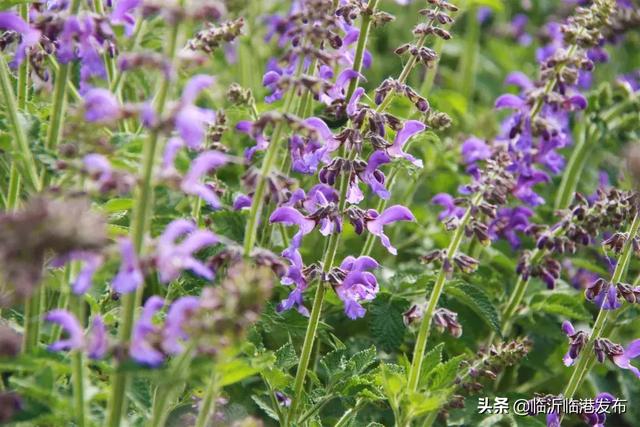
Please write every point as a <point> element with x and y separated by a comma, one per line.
<point>387,325</point>
<point>265,407</point>
<point>443,375</point>
<point>360,361</point>
<point>430,361</point>
<point>420,403</point>
<point>477,300</point>
<point>565,305</point>
<point>286,357</point>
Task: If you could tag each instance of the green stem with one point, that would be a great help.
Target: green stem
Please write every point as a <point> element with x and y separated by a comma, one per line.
<point>314,318</point>
<point>166,394</point>
<point>469,60</point>
<point>13,194</point>
<point>586,357</point>
<point>22,155</point>
<point>59,105</point>
<point>208,404</point>
<point>425,323</point>
<point>349,414</point>
<point>430,75</point>
<point>365,27</point>
<point>314,409</point>
<point>78,367</point>
<point>141,218</point>
<point>575,166</point>
<point>267,166</point>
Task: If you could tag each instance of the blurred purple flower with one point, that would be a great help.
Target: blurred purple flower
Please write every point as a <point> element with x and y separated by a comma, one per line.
<point>91,262</point>
<point>201,166</point>
<point>450,209</point>
<point>174,331</point>
<point>174,257</point>
<point>129,277</point>
<point>28,36</point>
<point>71,327</point>
<point>101,106</point>
<point>192,121</point>
<point>143,348</point>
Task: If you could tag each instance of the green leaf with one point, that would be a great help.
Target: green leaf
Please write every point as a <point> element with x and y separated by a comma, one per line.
<point>360,361</point>
<point>387,325</point>
<point>230,224</point>
<point>420,403</point>
<point>477,300</point>
<point>118,205</point>
<point>286,357</point>
<point>565,305</point>
<point>443,375</point>
<point>234,371</point>
<point>265,407</point>
<point>431,360</point>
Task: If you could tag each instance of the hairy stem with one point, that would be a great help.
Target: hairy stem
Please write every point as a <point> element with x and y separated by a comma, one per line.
<point>267,166</point>
<point>425,323</point>
<point>141,218</point>
<point>59,105</point>
<point>365,27</point>
<point>78,365</point>
<point>208,405</point>
<point>587,356</point>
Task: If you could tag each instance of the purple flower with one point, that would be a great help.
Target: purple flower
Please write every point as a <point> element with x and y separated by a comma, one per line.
<point>474,150</point>
<point>509,100</point>
<point>390,215</point>
<point>174,331</point>
<point>358,284</point>
<point>410,128</point>
<point>191,121</point>
<point>101,106</point>
<point>242,201</point>
<point>352,106</point>
<point>122,14</point>
<point>97,342</point>
<point>553,420</point>
<point>450,209</point>
<point>306,153</point>
<point>91,262</point>
<point>624,360</point>
<point>509,222</point>
<point>79,40</point>
<point>375,178</point>
<point>145,334</point>
<point>255,132</point>
<point>290,217</point>
<point>129,277</point>
<point>29,36</point>
<point>71,327</point>
<point>202,165</point>
<point>98,167</point>
<point>173,257</point>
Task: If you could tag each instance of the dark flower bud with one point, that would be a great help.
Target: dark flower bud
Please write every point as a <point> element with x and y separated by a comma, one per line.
<point>447,320</point>
<point>413,314</point>
<point>10,342</point>
<point>466,263</point>
<point>10,404</point>
<point>595,289</point>
<point>626,291</point>
<point>433,256</point>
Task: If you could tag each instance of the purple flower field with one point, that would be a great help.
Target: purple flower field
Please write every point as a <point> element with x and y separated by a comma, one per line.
<point>307,213</point>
